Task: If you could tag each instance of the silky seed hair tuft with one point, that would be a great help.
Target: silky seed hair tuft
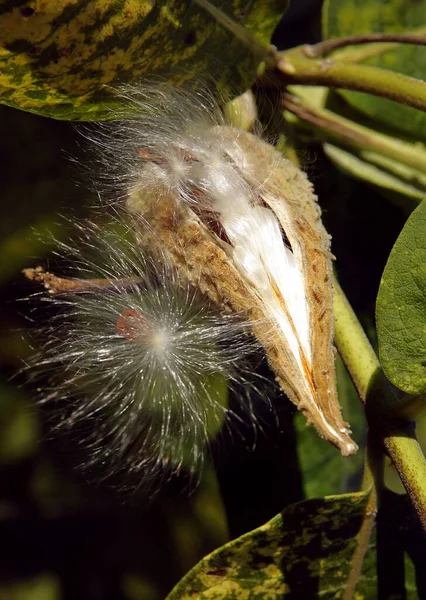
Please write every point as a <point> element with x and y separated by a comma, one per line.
<point>240,222</point>
<point>160,130</point>
<point>138,360</point>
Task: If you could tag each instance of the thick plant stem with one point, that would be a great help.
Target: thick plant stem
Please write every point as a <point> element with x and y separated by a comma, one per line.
<point>409,461</point>
<point>396,435</point>
<point>353,345</point>
<point>293,67</point>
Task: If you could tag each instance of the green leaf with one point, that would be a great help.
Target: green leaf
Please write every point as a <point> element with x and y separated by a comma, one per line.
<point>401,307</point>
<point>305,552</point>
<point>63,59</point>
<point>382,16</point>
<point>19,429</point>
<point>404,193</point>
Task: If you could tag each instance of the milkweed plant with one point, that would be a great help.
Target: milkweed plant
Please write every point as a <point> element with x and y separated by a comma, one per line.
<point>212,258</point>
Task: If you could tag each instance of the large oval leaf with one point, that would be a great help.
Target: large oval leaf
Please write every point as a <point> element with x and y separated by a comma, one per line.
<point>63,58</point>
<point>383,16</point>
<point>305,552</point>
<point>401,307</point>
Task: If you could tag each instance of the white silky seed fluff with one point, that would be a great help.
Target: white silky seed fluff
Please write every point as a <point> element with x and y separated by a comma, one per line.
<point>149,396</point>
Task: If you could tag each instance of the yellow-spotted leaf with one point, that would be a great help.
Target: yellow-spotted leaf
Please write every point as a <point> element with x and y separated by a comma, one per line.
<point>304,552</point>
<point>401,307</point>
<point>63,58</point>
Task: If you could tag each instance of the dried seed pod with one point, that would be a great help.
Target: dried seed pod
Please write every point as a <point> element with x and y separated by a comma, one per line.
<point>242,224</point>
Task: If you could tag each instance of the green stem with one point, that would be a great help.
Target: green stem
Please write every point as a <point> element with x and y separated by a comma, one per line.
<point>332,127</point>
<point>361,548</point>
<point>324,48</point>
<point>396,434</point>
<point>293,67</point>
<point>363,538</point>
<point>353,345</point>
<point>409,461</point>
<point>360,53</point>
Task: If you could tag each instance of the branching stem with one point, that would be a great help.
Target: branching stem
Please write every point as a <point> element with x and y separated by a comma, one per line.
<point>294,67</point>
<point>397,435</point>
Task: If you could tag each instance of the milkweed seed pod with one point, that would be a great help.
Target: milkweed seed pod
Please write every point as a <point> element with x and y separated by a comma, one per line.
<point>241,223</point>
<point>138,364</point>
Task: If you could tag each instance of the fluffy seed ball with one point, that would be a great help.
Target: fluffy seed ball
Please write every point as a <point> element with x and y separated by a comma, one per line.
<point>138,361</point>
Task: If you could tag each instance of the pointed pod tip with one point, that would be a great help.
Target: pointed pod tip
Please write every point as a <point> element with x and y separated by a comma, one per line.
<point>347,447</point>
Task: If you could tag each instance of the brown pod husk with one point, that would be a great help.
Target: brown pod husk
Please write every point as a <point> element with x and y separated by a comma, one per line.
<point>194,241</point>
